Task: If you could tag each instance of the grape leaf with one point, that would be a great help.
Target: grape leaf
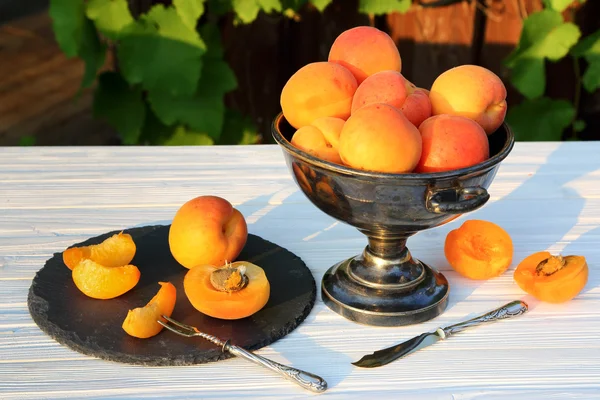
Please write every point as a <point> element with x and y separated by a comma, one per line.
<point>154,131</point>
<point>270,5</point>
<point>558,5</point>
<point>541,119</point>
<point>184,137</point>
<point>219,7</point>
<point>381,7</point>
<point>238,129</point>
<point>120,105</point>
<point>67,22</point>
<point>321,4</point>
<point>109,16</point>
<point>189,11</point>
<point>162,53</point>
<point>293,5</point>
<point>544,36</point>
<point>246,10</point>
<point>27,141</point>
<point>589,48</point>
<point>92,52</point>
<point>579,125</point>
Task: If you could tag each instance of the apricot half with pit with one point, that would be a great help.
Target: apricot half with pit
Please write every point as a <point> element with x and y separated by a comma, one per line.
<point>115,251</point>
<point>233,291</point>
<point>101,282</point>
<point>141,322</point>
<point>553,279</point>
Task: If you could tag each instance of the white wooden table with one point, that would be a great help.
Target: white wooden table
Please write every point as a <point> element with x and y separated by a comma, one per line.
<point>546,195</point>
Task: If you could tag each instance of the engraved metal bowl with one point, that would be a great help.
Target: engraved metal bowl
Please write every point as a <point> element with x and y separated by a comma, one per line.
<point>384,285</point>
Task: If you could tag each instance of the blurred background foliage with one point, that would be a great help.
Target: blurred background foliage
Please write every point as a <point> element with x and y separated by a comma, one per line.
<point>203,72</point>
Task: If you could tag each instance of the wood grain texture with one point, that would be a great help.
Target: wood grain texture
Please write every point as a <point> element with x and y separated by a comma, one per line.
<point>547,195</point>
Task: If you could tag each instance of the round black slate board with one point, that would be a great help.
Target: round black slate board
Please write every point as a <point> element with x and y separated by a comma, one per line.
<point>93,327</point>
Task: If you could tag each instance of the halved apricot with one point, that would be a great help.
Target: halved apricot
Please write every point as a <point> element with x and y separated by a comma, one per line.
<point>232,296</point>
<point>553,279</point>
<point>114,251</point>
<point>101,282</point>
<point>141,322</point>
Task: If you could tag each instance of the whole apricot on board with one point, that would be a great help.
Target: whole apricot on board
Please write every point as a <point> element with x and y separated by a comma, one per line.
<point>451,142</point>
<point>100,282</point>
<point>232,291</point>
<point>207,230</point>
<point>319,89</point>
<point>141,322</point>
<point>553,279</point>
<point>378,137</point>
<point>115,251</point>
<point>470,91</point>
<point>365,50</point>
<point>320,138</point>
<point>479,249</point>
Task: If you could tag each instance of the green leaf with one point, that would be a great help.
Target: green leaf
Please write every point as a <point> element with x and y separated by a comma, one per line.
<point>219,7</point>
<point>189,11</point>
<point>154,131</point>
<point>541,119</point>
<point>238,129</point>
<point>558,5</point>
<point>292,5</point>
<point>321,5</point>
<point>162,53</point>
<point>184,137</point>
<point>246,10</point>
<point>579,125</point>
<point>589,48</point>
<point>381,7</point>
<point>109,16</point>
<point>544,36</point>
<point>205,111</point>
<point>120,105</point>
<point>269,6</point>
<point>27,141</point>
<point>67,22</point>
<point>92,52</point>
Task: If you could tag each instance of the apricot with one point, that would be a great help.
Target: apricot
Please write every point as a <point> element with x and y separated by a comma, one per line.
<point>470,91</point>
<point>451,142</point>
<point>232,291</point>
<point>553,279</point>
<point>101,282</point>
<point>387,87</point>
<point>479,249</point>
<point>417,106</point>
<point>378,137</point>
<point>115,251</point>
<point>365,50</point>
<point>321,138</point>
<point>141,322</point>
<point>319,89</point>
<point>207,230</point>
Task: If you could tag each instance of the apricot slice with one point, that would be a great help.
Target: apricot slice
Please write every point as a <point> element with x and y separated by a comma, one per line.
<point>233,291</point>
<point>114,251</point>
<point>479,249</point>
<point>553,279</point>
<point>101,282</point>
<point>141,322</point>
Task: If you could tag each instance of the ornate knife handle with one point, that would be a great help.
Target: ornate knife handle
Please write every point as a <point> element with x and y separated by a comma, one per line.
<point>305,379</point>
<point>512,309</point>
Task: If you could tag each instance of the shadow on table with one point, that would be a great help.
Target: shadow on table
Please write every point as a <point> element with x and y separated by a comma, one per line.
<point>581,246</point>
<point>524,213</point>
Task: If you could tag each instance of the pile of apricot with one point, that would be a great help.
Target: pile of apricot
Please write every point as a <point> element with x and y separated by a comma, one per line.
<point>206,232</point>
<point>481,250</point>
<point>357,109</point>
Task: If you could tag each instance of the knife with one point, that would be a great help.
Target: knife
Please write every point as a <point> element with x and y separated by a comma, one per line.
<point>386,356</point>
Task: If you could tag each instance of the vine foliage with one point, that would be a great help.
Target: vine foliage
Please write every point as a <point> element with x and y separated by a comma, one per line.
<point>171,81</point>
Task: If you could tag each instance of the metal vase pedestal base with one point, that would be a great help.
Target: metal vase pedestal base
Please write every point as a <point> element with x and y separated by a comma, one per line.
<point>385,286</point>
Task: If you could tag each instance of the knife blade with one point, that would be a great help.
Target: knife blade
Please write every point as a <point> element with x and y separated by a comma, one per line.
<point>392,353</point>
